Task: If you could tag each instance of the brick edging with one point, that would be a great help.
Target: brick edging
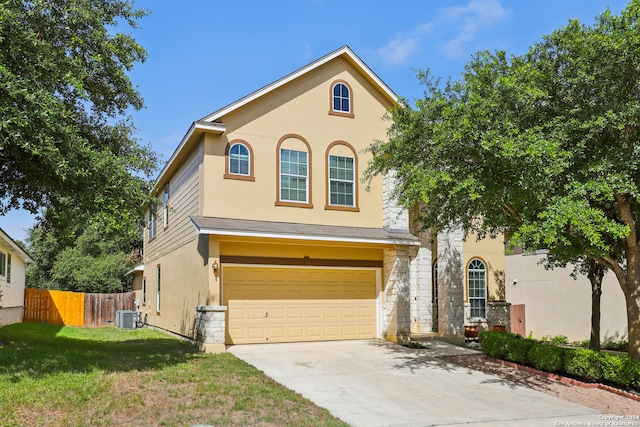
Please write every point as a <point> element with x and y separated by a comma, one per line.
<point>566,380</point>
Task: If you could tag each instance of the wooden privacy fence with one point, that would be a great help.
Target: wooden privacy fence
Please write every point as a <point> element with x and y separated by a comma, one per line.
<point>75,308</point>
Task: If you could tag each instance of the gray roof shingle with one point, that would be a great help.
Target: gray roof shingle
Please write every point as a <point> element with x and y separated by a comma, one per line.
<point>290,230</point>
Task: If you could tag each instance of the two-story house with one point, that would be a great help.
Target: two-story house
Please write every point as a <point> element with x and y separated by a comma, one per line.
<point>264,230</point>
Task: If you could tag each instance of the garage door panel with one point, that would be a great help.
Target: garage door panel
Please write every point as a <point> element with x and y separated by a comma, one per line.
<point>294,304</point>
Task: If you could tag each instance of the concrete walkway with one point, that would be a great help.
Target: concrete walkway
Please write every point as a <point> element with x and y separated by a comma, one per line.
<point>377,383</point>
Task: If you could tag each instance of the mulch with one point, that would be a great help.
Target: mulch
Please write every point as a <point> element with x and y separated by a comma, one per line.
<point>602,397</point>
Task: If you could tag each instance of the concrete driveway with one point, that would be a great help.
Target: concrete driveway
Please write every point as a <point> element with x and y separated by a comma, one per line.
<point>377,383</point>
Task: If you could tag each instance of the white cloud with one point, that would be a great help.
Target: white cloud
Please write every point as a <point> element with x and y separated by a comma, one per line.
<point>470,20</point>
<point>467,21</point>
<point>399,49</point>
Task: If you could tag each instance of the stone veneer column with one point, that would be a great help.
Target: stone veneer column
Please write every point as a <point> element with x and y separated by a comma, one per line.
<point>396,312</point>
<point>450,284</point>
<point>421,284</point>
<point>210,328</point>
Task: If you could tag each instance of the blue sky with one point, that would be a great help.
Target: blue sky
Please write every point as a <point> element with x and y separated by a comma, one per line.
<point>204,54</point>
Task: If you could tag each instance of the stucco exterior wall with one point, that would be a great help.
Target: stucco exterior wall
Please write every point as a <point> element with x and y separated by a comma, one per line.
<point>184,285</point>
<point>556,304</point>
<point>298,110</point>
<point>491,252</point>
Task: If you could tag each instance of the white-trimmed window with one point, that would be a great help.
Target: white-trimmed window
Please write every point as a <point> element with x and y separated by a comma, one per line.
<point>151,222</point>
<point>165,207</point>
<point>144,290</point>
<point>341,98</point>
<point>341,181</point>
<point>3,264</point>
<point>158,288</point>
<point>477,282</point>
<point>239,160</point>
<point>8,268</point>
<point>294,176</point>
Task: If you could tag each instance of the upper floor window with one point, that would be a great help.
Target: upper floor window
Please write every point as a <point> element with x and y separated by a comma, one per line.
<point>342,172</point>
<point>239,161</point>
<point>151,222</point>
<point>341,181</point>
<point>165,207</point>
<point>293,172</point>
<point>341,99</point>
<point>3,264</point>
<point>293,176</point>
<point>477,282</point>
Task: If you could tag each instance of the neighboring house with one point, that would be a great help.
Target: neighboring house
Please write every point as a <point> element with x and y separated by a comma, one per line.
<point>12,278</point>
<point>264,231</point>
<point>553,303</point>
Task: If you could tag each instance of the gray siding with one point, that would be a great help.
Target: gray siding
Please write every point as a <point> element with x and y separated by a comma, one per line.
<point>184,191</point>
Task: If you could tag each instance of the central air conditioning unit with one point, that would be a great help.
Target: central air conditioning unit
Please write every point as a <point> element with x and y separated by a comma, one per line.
<point>126,319</point>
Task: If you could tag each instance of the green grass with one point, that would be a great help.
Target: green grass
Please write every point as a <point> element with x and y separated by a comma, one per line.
<point>65,376</point>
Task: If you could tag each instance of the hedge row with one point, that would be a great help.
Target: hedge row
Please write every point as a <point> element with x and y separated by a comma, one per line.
<point>587,365</point>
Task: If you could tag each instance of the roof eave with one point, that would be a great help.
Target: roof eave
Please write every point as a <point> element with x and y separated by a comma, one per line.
<point>307,237</point>
<point>197,128</point>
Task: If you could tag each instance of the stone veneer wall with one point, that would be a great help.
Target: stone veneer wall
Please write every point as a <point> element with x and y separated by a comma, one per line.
<point>450,283</point>
<point>396,310</point>
<point>499,313</point>
<point>421,284</point>
<point>210,328</point>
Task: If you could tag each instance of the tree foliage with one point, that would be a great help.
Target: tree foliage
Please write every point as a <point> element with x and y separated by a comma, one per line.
<point>64,90</point>
<point>544,146</point>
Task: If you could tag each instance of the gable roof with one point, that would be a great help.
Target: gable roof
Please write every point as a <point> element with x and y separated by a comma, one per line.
<point>344,52</point>
<point>8,242</point>
<point>211,122</point>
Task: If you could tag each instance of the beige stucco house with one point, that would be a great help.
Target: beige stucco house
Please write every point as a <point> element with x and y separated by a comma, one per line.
<point>552,302</point>
<point>12,279</point>
<point>264,231</point>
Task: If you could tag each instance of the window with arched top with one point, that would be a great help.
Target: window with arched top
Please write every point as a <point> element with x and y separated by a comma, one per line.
<point>293,172</point>
<point>341,99</point>
<point>239,161</point>
<point>477,287</point>
<point>342,173</point>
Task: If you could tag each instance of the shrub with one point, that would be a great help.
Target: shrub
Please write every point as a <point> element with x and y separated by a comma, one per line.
<point>620,370</point>
<point>546,357</point>
<point>559,340</point>
<point>581,363</point>
<point>494,344</point>
<point>585,364</point>
<point>518,348</point>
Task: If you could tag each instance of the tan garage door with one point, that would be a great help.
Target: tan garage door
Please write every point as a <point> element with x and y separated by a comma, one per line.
<point>298,304</point>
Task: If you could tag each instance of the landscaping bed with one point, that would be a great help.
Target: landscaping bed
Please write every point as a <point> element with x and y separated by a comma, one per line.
<point>579,363</point>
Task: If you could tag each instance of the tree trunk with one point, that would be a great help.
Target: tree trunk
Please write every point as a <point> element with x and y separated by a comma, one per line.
<point>596,274</point>
<point>632,296</point>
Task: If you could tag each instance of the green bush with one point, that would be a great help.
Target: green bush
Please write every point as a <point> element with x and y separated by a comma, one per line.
<point>585,364</point>
<point>620,370</point>
<point>494,344</point>
<point>547,357</point>
<point>517,350</point>
<point>581,363</point>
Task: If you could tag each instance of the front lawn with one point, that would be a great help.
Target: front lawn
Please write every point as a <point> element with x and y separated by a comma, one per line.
<point>65,376</point>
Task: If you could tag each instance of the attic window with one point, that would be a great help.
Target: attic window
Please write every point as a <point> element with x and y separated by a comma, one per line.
<point>341,99</point>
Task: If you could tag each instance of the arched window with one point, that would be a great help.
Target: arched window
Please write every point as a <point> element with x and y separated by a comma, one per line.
<point>341,99</point>
<point>477,283</point>
<point>342,172</point>
<point>239,161</point>
<point>294,172</point>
